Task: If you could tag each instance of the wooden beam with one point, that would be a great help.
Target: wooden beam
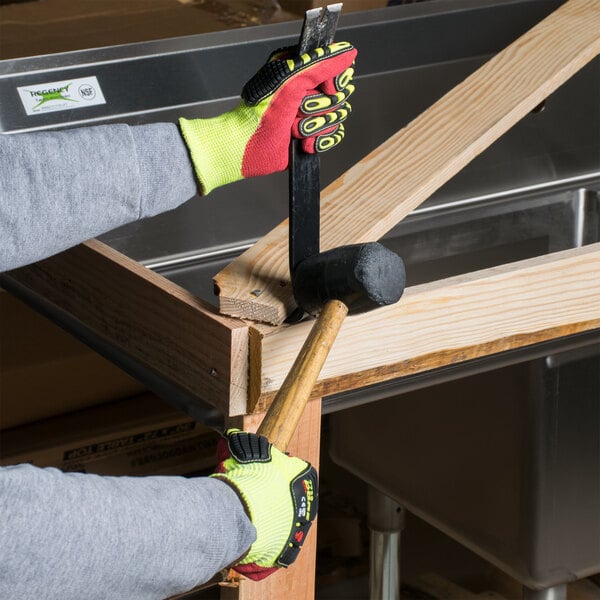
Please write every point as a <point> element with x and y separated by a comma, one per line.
<point>385,186</point>
<point>298,581</point>
<point>152,320</point>
<point>443,323</point>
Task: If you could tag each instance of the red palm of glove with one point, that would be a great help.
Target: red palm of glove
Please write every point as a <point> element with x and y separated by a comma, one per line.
<point>305,97</point>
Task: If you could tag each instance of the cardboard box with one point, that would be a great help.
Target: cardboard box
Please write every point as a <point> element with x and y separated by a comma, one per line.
<point>137,436</point>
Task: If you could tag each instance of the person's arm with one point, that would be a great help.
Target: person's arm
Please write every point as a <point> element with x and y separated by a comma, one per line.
<point>60,188</point>
<point>68,536</point>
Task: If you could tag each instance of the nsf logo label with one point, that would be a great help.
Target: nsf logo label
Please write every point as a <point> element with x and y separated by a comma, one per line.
<point>53,96</point>
<point>86,91</point>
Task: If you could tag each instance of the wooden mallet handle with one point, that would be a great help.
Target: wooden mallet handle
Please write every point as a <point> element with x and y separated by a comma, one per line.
<point>283,415</point>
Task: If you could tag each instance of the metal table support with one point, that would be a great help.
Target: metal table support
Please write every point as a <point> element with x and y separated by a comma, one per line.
<point>386,522</point>
<point>558,592</point>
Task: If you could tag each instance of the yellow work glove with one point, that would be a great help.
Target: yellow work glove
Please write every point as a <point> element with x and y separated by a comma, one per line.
<point>280,494</point>
<point>305,97</point>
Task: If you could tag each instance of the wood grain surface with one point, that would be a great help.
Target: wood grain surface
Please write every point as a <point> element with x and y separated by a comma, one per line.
<point>445,322</point>
<point>283,416</point>
<point>151,319</point>
<point>385,186</point>
<point>298,581</point>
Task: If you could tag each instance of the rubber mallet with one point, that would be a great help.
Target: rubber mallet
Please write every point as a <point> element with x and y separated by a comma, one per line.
<point>349,279</point>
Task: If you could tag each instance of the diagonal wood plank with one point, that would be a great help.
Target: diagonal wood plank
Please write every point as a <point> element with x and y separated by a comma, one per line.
<point>442,323</point>
<point>385,186</point>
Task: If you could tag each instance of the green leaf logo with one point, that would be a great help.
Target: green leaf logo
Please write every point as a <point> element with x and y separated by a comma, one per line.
<point>52,94</point>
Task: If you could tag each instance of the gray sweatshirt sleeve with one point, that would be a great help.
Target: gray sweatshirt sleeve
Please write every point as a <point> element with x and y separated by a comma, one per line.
<point>68,536</point>
<point>60,188</point>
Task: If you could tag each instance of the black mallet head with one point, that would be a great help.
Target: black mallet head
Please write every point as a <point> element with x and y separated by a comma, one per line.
<point>363,276</point>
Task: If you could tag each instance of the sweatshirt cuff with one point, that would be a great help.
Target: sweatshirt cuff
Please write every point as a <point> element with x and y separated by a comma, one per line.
<point>166,177</point>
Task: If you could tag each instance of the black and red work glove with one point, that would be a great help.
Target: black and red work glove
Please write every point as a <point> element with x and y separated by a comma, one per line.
<point>280,494</point>
<point>304,96</point>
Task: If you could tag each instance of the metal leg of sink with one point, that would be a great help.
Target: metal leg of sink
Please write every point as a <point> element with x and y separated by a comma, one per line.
<point>386,521</point>
<point>558,592</point>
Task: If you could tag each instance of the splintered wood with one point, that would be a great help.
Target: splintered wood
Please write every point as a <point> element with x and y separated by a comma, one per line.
<point>380,190</point>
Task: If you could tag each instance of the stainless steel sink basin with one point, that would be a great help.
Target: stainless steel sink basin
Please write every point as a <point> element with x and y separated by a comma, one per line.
<point>507,462</point>
<point>503,454</point>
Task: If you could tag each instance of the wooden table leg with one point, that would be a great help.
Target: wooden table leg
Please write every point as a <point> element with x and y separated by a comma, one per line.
<point>298,581</point>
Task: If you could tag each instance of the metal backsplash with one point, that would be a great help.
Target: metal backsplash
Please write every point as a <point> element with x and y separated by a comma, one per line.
<point>409,56</point>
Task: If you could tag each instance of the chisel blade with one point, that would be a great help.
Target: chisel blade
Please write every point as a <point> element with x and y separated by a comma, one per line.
<point>319,27</point>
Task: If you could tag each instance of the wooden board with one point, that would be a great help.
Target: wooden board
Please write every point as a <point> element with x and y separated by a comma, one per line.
<point>385,186</point>
<point>149,318</point>
<point>442,323</point>
<point>298,581</point>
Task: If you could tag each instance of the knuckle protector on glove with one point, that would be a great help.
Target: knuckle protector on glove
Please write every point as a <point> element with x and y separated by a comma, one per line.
<point>320,103</point>
<point>248,447</point>
<point>330,139</point>
<point>340,83</point>
<point>314,125</point>
<point>306,503</point>
<point>327,142</point>
<point>343,80</point>
<point>324,141</point>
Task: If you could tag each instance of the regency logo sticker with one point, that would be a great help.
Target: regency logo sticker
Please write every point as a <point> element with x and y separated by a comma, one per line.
<point>61,95</point>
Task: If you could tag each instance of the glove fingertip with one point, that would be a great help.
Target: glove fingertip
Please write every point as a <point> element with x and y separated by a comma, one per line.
<point>254,571</point>
<point>222,450</point>
<point>220,468</point>
<point>308,145</point>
